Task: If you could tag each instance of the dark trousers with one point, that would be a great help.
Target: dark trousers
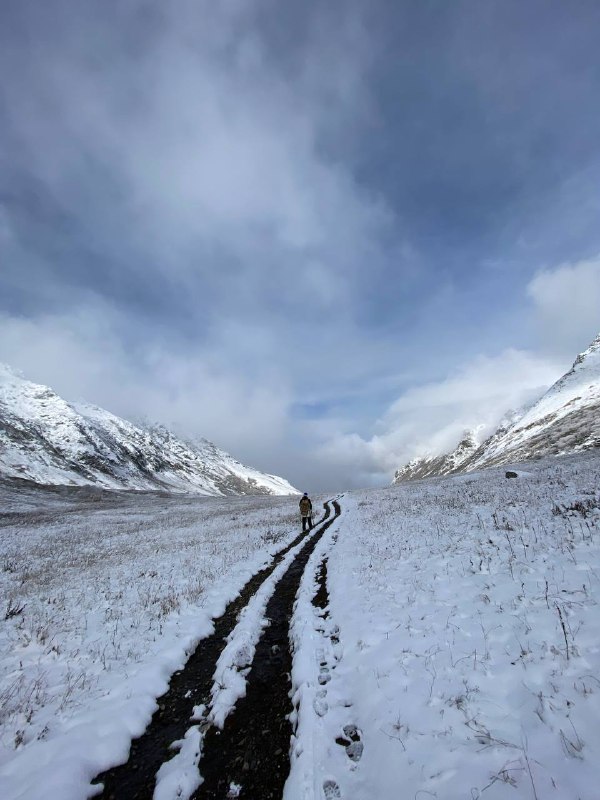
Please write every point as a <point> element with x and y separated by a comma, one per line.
<point>306,523</point>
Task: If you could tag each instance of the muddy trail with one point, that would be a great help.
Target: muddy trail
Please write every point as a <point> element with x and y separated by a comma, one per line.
<point>243,752</point>
<point>252,751</point>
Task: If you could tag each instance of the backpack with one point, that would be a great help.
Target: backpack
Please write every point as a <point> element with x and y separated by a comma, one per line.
<point>305,506</point>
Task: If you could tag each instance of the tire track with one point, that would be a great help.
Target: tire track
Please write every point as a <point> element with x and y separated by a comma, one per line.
<point>189,687</point>
<point>249,758</point>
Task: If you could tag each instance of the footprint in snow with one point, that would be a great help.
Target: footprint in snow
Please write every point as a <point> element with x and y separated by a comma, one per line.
<point>331,790</point>
<point>320,705</point>
<point>334,634</point>
<point>324,678</point>
<point>351,741</point>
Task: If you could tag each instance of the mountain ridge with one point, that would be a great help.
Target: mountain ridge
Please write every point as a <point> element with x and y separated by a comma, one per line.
<point>565,419</point>
<point>50,441</point>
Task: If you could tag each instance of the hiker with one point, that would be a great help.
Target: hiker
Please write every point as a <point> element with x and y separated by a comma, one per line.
<point>306,511</point>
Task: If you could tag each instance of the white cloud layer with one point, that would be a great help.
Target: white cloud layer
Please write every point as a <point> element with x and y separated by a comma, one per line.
<point>430,419</point>
<point>250,411</point>
<point>81,357</point>
<point>567,305</point>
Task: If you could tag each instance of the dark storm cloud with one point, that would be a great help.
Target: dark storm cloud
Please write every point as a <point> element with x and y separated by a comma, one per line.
<point>490,103</point>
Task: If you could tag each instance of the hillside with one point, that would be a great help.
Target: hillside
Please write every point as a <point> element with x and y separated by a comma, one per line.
<point>566,419</point>
<point>45,439</point>
<point>446,464</point>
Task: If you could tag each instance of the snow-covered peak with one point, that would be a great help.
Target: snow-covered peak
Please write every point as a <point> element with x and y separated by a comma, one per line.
<point>45,439</point>
<point>444,464</point>
<point>584,372</point>
<point>564,420</point>
<point>573,395</point>
<point>38,406</point>
<point>593,348</point>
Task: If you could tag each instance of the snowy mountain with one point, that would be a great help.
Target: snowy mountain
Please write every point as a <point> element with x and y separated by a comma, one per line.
<point>566,419</point>
<point>446,464</point>
<point>47,440</point>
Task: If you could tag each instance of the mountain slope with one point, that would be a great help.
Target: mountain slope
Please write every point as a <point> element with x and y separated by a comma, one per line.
<point>47,440</point>
<point>446,464</point>
<point>565,419</point>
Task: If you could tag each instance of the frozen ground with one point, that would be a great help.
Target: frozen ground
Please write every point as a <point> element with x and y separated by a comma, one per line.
<point>103,596</point>
<point>453,651</point>
<point>459,656</point>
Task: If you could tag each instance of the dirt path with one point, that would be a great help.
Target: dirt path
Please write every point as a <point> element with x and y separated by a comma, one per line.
<point>253,748</point>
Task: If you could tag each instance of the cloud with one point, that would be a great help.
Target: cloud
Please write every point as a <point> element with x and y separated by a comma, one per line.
<point>430,419</point>
<point>183,243</point>
<point>195,159</point>
<point>82,357</point>
<point>6,234</point>
<point>567,305</point>
<point>223,215</point>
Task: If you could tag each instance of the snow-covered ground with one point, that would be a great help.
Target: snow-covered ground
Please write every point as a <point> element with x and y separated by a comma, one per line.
<point>179,777</point>
<point>460,655</point>
<point>103,597</point>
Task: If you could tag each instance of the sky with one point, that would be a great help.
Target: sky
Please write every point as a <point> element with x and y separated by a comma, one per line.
<point>327,236</point>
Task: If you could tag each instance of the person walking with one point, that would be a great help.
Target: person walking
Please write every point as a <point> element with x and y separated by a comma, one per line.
<point>306,511</point>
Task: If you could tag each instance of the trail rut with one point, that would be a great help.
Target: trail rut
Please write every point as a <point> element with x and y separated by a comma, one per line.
<point>252,750</point>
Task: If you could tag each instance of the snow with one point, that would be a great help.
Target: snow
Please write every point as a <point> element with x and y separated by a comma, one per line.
<point>577,390</point>
<point>453,604</point>
<point>315,656</point>
<point>105,598</point>
<point>180,777</point>
<point>566,419</point>
<point>458,656</point>
<point>431,465</point>
<point>45,439</point>
<point>236,658</point>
